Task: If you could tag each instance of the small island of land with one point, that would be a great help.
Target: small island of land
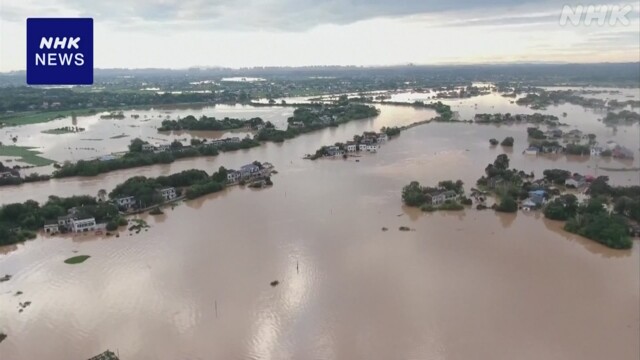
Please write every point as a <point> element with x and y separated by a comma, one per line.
<point>77,259</point>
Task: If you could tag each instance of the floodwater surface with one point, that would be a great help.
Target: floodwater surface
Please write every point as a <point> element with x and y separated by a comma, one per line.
<point>460,285</point>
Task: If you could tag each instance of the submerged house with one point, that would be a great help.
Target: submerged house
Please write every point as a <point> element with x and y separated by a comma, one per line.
<point>126,202</point>
<point>575,181</point>
<point>596,150</point>
<point>168,193</point>
<point>440,198</point>
<point>83,225</point>
<point>51,227</point>
<point>531,150</point>
<point>622,152</point>
<point>233,175</point>
<point>249,170</point>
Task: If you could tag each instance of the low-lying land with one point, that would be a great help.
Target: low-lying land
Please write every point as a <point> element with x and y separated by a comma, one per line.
<point>25,154</point>
<point>311,118</point>
<point>610,214</point>
<point>77,259</point>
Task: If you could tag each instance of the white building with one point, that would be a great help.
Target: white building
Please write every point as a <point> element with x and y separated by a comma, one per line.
<point>249,170</point>
<point>362,147</point>
<point>66,221</point>
<point>596,151</point>
<point>351,147</point>
<point>532,150</point>
<point>126,201</point>
<point>575,181</point>
<point>372,147</point>
<point>51,228</point>
<point>233,176</point>
<point>168,193</point>
<point>82,225</point>
<point>382,137</point>
<point>148,147</point>
<point>163,147</point>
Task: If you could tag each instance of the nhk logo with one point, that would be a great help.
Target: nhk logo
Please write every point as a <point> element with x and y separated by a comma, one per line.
<point>60,51</point>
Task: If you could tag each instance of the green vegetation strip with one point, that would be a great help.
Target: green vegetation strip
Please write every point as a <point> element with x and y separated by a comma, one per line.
<point>40,117</point>
<point>77,259</point>
<point>26,154</point>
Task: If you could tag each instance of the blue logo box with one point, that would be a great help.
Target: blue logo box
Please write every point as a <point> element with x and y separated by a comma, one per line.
<point>60,51</point>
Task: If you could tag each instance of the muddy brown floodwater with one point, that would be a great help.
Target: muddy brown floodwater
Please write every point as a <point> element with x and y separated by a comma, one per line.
<point>196,285</point>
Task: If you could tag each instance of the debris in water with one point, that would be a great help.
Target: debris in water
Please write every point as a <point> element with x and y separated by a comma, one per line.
<point>7,277</point>
<point>18,293</point>
<point>404,228</point>
<point>275,283</point>
<point>384,229</point>
<point>2,336</point>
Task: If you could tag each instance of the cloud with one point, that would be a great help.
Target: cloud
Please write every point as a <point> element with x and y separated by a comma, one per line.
<point>270,15</point>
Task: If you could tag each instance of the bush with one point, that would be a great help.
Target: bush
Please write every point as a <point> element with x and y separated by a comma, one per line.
<point>412,194</point>
<point>112,226</point>
<point>608,230</point>
<point>451,206</point>
<point>555,211</point>
<point>508,205</point>
<point>493,142</point>
<point>156,211</point>
<point>466,201</point>
<point>428,208</point>
<point>508,141</point>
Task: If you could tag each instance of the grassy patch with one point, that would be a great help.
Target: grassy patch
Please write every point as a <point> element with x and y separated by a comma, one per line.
<point>119,136</point>
<point>77,259</point>
<point>26,154</point>
<point>40,117</point>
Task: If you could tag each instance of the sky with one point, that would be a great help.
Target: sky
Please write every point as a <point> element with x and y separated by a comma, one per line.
<point>232,33</point>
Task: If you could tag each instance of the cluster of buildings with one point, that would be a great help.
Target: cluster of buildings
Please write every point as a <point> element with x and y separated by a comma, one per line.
<point>617,151</point>
<point>74,221</point>
<point>369,141</point>
<point>249,171</point>
<point>127,202</point>
<point>543,149</point>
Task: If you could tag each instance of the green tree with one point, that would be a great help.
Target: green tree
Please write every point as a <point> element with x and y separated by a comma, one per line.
<point>413,195</point>
<point>507,204</point>
<point>508,141</point>
<point>136,145</point>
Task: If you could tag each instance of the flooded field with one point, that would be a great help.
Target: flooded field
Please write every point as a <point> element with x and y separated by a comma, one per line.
<point>105,136</point>
<point>461,285</point>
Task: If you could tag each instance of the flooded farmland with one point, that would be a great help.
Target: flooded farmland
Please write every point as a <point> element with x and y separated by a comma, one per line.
<point>196,285</point>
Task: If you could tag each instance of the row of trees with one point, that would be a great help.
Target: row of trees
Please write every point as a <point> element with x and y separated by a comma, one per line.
<point>209,123</point>
<point>135,158</point>
<point>313,119</point>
